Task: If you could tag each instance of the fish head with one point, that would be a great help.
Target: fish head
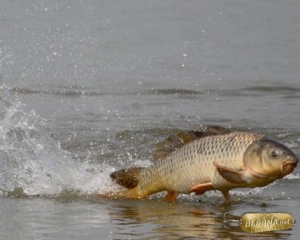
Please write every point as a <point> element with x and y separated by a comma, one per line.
<point>269,159</point>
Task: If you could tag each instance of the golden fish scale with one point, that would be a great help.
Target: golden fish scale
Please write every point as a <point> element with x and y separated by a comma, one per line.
<point>192,164</point>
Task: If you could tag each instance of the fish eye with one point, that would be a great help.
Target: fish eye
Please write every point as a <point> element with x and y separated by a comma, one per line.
<point>274,153</point>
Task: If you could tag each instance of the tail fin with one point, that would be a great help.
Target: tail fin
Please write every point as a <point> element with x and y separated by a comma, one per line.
<point>127,177</point>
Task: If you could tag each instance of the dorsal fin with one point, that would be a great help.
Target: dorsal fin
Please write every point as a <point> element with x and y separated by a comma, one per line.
<point>176,141</point>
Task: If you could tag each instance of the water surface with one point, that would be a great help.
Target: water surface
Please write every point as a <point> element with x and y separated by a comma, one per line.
<point>88,87</point>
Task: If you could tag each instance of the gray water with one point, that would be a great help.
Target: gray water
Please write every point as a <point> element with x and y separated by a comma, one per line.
<point>88,87</point>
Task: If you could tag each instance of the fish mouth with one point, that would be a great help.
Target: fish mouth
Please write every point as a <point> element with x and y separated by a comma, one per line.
<point>288,166</point>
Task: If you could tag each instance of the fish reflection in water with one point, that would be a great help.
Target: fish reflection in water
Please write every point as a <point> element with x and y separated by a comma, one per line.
<point>151,219</point>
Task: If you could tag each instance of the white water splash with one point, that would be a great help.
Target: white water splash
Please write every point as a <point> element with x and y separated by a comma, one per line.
<point>31,160</point>
<point>292,176</point>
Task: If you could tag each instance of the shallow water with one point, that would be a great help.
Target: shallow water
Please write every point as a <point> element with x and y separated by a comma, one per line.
<point>41,218</point>
<point>87,87</point>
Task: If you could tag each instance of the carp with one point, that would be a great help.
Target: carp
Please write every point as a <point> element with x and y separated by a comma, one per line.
<point>214,158</point>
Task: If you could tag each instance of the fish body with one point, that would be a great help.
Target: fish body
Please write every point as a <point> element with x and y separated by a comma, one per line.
<point>212,159</point>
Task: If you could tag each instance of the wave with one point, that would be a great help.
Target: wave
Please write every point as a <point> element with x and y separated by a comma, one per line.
<point>61,91</point>
<point>77,91</point>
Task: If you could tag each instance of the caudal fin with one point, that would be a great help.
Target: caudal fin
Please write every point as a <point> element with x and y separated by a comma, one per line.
<point>127,177</point>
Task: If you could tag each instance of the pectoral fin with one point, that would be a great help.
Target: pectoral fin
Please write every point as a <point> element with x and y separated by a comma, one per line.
<point>202,188</point>
<point>227,197</point>
<point>231,175</point>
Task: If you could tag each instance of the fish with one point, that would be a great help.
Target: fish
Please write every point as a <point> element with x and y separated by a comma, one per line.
<point>214,158</point>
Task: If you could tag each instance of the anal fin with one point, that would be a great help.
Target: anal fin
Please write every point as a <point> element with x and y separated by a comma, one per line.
<point>171,196</point>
